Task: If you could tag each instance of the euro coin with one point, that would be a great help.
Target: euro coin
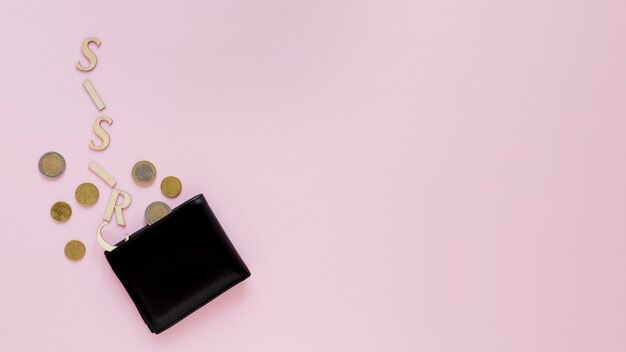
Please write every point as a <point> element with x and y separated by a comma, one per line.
<point>171,186</point>
<point>144,173</point>
<point>75,250</point>
<point>156,211</point>
<point>51,164</point>
<point>87,194</point>
<point>61,211</point>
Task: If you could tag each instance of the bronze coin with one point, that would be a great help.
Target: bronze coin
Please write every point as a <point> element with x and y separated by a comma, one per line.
<point>87,194</point>
<point>61,211</point>
<point>171,186</point>
<point>75,250</point>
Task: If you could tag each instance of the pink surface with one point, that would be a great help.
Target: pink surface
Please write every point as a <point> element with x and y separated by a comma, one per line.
<point>398,175</point>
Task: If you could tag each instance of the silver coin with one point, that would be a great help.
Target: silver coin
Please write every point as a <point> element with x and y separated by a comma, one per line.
<point>51,164</point>
<point>156,211</point>
<point>144,173</point>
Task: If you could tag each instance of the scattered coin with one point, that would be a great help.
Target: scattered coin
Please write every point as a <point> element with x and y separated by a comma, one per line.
<point>156,211</point>
<point>171,186</point>
<point>51,164</point>
<point>61,211</point>
<point>144,173</point>
<point>87,194</point>
<point>75,250</point>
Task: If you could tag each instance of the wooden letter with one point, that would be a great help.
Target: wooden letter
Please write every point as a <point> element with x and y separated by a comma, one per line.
<point>119,216</point>
<point>101,241</point>
<point>100,132</point>
<point>102,174</point>
<point>88,54</point>
<point>94,95</point>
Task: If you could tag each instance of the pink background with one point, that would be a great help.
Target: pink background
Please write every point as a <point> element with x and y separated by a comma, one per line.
<point>398,175</point>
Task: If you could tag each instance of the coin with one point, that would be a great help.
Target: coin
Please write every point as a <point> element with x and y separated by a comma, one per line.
<point>171,186</point>
<point>51,164</point>
<point>156,211</point>
<point>144,173</point>
<point>61,211</point>
<point>87,194</point>
<point>75,250</point>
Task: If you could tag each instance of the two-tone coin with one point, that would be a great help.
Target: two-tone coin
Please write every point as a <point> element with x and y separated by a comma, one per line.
<point>144,173</point>
<point>87,194</point>
<point>171,186</point>
<point>61,211</point>
<point>156,211</point>
<point>75,250</point>
<point>51,165</point>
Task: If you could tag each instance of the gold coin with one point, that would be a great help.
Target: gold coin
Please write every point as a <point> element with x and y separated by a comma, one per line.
<point>144,173</point>
<point>75,250</point>
<point>156,211</point>
<point>171,186</point>
<point>51,164</point>
<point>87,194</point>
<point>61,211</point>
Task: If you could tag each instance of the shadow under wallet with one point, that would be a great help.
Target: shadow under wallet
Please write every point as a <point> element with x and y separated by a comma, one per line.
<point>178,264</point>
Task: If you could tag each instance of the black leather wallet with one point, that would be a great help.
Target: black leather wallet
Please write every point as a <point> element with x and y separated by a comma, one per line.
<point>177,265</point>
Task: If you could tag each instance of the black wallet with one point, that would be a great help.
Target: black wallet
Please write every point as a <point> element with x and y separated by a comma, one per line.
<point>177,265</point>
